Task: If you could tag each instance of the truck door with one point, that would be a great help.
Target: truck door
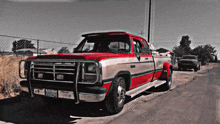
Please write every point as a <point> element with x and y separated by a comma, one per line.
<point>144,67</point>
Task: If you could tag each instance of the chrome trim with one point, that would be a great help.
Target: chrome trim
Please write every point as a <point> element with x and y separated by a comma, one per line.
<point>64,69</point>
<point>76,93</point>
<point>20,69</point>
<point>89,74</point>
<point>63,62</point>
<point>97,74</point>
<point>87,97</point>
<point>43,68</point>
<point>54,73</point>
<point>33,70</point>
<point>52,80</point>
<point>83,71</point>
<point>90,97</point>
<point>65,94</point>
<point>29,79</point>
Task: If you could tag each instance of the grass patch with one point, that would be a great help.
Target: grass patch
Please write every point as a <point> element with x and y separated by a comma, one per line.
<point>9,76</point>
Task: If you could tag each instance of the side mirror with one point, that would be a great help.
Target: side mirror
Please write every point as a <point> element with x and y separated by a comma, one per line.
<point>74,50</point>
<point>145,50</point>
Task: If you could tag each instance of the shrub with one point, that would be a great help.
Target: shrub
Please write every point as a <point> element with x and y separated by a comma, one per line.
<point>9,75</point>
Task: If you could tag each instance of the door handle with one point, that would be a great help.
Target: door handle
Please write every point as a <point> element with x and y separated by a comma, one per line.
<point>132,66</point>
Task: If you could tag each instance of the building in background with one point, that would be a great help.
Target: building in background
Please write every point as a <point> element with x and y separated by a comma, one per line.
<point>33,52</point>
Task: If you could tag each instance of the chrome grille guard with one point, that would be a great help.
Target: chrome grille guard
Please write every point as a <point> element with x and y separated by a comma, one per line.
<point>53,67</point>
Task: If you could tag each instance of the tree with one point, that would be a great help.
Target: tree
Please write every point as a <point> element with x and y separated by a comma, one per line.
<point>204,52</point>
<point>183,48</point>
<point>63,50</point>
<point>23,43</point>
<point>179,51</point>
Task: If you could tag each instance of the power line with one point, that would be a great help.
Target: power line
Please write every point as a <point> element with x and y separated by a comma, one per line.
<point>36,39</point>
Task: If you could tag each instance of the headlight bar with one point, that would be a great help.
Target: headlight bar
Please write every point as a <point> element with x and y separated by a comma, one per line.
<point>75,90</point>
<point>78,63</point>
<point>20,69</point>
<point>27,75</point>
<point>84,73</point>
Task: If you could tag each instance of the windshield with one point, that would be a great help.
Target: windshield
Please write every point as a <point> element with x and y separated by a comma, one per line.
<point>189,57</point>
<point>104,44</point>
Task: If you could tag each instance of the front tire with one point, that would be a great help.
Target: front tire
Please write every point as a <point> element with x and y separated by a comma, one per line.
<point>114,103</point>
<point>195,69</point>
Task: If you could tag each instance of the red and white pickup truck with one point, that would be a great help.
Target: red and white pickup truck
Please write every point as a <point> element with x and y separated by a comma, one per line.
<point>105,67</point>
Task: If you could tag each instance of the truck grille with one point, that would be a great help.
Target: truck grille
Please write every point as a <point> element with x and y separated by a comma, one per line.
<point>187,62</point>
<point>54,71</point>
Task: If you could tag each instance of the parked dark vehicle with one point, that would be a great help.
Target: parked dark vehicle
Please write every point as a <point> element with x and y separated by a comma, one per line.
<point>189,62</point>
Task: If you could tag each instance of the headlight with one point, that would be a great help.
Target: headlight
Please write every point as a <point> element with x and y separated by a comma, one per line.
<point>40,75</point>
<point>90,73</point>
<point>90,68</point>
<point>60,77</point>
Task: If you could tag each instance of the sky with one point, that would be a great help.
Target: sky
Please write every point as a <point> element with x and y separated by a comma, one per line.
<point>66,20</point>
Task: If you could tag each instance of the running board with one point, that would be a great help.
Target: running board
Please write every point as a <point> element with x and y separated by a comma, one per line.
<point>142,88</point>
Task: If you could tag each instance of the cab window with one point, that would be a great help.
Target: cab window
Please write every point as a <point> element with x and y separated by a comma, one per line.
<point>137,44</point>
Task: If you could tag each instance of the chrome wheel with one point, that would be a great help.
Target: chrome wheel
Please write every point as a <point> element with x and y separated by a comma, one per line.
<point>121,93</point>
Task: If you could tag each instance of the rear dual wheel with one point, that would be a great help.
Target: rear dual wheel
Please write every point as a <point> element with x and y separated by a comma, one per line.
<point>169,81</point>
<point>196,69</point>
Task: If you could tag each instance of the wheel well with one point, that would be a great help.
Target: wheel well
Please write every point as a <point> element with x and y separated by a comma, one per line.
<point>127,77</point>
<point>171,68</point>
<point>127,80</point>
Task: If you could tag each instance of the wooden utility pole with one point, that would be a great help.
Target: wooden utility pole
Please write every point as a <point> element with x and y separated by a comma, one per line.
<point>148,38</point>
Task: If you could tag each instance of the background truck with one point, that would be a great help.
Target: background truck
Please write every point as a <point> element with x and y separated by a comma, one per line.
<point>189,62</point>
<point>105,67</point>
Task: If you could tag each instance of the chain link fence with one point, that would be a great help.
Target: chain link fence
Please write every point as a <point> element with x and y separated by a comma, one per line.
<point>13,45</point>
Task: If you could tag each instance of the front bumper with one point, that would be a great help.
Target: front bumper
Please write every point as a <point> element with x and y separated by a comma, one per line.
<point>86,94</point>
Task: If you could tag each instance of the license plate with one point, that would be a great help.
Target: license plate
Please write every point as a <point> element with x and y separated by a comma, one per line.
<point>51,93</point>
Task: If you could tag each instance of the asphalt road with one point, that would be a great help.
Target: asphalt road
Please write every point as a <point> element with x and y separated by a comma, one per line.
<point>193,98</point>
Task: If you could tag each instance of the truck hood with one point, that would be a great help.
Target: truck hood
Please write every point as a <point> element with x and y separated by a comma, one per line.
<point>86,56</point>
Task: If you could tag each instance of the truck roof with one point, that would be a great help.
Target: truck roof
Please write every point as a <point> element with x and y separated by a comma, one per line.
<point>111,33</point>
